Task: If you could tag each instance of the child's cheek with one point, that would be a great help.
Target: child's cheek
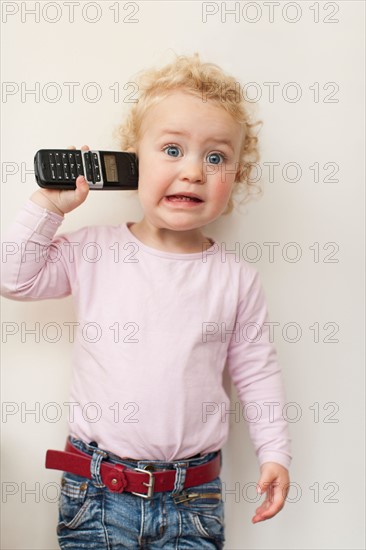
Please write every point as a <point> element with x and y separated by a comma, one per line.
<point>223,184</point>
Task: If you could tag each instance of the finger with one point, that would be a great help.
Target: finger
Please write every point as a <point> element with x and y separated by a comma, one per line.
<point>268,514</point>
<point>270,486</point>
<point>264,490</point>
<point>269,508</point>
<point>262,509</point>
<point>82,188</point>
<point>82,183</point>
<point>71,147</point>
<point>85,148</point>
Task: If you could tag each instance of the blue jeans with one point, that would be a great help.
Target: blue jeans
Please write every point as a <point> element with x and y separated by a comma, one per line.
<point>93,517</point>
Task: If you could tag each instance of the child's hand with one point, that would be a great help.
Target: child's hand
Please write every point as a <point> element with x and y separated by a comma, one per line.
<point>62,201</point>
<point>275,481</point>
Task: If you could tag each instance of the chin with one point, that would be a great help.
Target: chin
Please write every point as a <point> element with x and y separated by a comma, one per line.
<point>186,226</point>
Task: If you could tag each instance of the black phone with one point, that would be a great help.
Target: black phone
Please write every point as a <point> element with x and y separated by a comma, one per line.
<point>59,168</point>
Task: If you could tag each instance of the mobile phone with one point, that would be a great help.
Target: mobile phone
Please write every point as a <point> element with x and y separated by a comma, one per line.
<point>59,168</point>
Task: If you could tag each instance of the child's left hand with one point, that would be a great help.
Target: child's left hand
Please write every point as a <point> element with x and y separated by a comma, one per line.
<point>275,481</point>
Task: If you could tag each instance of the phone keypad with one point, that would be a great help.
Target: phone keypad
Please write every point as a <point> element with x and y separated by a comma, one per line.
<point>65,166</point>
<point>52,165</point>
<point>79,165</point>
<point>96,168</point>
<point>92,167</point>
<point>72,164</point>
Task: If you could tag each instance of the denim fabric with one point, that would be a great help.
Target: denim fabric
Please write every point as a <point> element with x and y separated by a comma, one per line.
<point>93,517</point>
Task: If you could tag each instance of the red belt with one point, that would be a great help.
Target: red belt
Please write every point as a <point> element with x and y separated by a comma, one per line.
<point>118,478</point>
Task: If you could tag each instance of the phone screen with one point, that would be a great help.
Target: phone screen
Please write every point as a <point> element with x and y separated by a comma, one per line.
<point>111,168</point>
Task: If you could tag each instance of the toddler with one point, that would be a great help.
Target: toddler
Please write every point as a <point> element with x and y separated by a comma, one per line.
<point>161,309</point>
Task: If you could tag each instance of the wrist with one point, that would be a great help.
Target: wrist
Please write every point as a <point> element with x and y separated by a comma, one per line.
<point>272,464</point>
<point>42,200</point>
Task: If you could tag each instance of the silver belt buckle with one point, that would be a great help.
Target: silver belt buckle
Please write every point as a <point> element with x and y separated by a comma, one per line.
<point>150,483</point>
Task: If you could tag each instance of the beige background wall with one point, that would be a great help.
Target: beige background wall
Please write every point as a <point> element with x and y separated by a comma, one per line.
<point>312,49</point>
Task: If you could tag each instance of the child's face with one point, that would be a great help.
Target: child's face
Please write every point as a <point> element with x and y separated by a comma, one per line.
<point>182,148</point>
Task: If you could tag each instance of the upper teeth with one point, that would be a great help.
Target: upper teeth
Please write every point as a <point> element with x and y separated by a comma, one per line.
<point>180,197</point>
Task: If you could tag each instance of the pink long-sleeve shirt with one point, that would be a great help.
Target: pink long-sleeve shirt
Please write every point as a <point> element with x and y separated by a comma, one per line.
<point>154,331</point>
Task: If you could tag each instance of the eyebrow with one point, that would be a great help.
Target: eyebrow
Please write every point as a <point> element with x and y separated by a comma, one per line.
<point>224,141</point>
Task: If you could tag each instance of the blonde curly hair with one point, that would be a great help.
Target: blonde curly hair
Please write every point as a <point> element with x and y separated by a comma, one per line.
<point>209,82</point>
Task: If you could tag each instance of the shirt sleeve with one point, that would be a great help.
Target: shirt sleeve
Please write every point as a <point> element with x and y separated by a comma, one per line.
<point>33,263</point>
<point>254,370</point>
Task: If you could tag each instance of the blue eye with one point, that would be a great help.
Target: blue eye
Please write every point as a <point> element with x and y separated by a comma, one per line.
<point>172,150</point>
<point>215,158</point>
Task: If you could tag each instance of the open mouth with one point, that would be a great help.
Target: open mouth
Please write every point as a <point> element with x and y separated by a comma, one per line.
<point>182,198</point>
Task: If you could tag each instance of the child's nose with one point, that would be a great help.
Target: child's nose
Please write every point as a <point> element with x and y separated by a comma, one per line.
<point>193,170</point>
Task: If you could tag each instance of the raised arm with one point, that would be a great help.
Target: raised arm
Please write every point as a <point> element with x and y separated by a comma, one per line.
<point>33,262</point>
